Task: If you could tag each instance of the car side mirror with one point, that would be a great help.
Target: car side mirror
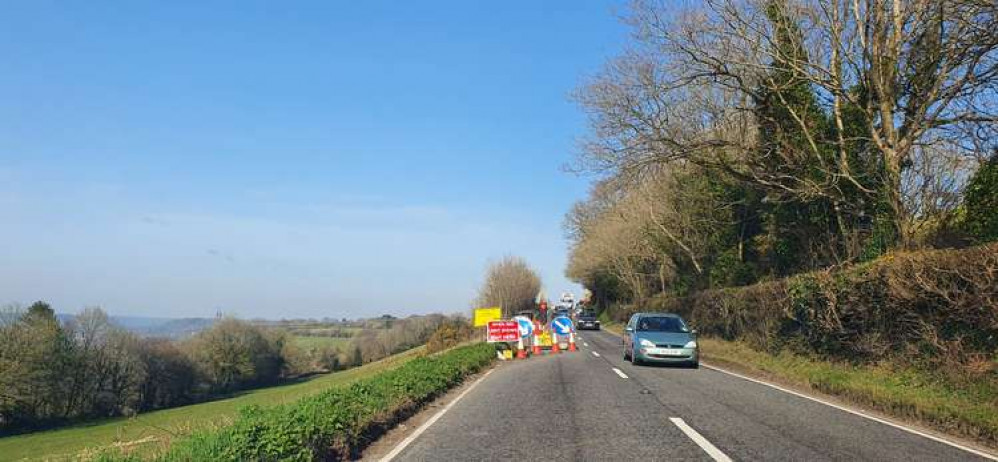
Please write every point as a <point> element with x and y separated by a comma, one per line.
<point>694,332</point>
<point>628,329</point>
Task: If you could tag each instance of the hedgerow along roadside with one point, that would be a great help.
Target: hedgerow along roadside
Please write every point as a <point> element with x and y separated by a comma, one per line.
<point>914,334</point>
<point>335,424</point>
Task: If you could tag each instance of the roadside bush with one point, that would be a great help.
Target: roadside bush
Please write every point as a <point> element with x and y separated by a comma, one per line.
<point>337,423</point>
<point>234,354</point>
<point>932,309</point>
<point>448,335</point>
<point>170,377</point>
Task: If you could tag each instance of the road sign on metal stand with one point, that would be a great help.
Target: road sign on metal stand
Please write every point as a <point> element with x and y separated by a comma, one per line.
<point>502,331</point>
<point>526,330</point>
<point>485,315</point>
<point>560,327</point>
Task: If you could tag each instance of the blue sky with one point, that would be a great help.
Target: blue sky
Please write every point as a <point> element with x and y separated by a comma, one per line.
<point>279,159</point>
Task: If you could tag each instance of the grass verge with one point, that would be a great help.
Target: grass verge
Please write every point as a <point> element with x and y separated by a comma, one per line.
<point>335,424</point>
<point>968,408</point>
<point>152,432</point>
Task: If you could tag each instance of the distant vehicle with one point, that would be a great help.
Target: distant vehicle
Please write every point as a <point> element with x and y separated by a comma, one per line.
<point>660,338</point>
<point>561,312</point>
<point>588,321</point>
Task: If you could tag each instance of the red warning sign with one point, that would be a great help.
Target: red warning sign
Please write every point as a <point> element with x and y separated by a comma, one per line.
<point>502,331</point>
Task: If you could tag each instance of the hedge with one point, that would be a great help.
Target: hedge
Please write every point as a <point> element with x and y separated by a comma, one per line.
<point>928,308</point>
<point>335,424</point>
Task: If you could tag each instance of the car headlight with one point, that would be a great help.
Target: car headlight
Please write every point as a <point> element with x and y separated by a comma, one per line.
<point>691,344</point>
<point>646,343</point>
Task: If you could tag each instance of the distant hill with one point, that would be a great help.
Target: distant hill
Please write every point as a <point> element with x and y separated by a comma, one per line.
<point>145,326</point>
<point>177,328</point>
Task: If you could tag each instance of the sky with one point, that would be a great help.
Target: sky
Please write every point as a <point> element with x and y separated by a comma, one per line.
<point>288,159</point>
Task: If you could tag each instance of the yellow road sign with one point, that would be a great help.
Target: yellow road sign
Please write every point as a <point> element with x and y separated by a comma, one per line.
<point>484,315</point>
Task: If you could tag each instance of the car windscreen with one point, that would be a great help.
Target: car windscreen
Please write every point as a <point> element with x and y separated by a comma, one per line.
<point>587,318</point>
<point>661,324</point>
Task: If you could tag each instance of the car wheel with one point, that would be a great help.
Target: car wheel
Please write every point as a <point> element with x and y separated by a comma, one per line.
<point>626,358</point>
<point>695,365</point>
<point>635,360</point>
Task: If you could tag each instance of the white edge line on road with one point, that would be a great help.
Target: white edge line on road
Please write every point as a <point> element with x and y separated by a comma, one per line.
<point>422,428</point>
<point>595,354</point>
<point>697,438</point>
<point>858,413</point>
<point>620,373</point>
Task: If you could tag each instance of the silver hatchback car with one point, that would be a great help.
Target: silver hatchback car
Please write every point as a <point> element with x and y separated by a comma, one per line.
<point>660,338</point>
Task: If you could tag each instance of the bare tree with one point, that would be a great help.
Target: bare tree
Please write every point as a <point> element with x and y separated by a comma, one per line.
<point>886,79</point>
<point>510,284</point>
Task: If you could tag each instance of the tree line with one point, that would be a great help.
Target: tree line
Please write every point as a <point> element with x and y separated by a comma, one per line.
<point>54,372</point>
<point>745,140</point>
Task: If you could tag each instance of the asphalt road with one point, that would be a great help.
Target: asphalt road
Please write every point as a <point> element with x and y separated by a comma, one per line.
<point>592,405</point>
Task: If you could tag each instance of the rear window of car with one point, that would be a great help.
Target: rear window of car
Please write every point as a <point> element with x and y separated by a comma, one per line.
<point>661,324</point>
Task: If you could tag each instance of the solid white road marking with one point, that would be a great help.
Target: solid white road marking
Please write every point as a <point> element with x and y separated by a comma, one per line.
<point>585,344</point>
<point>697,438</point>
<point>422,428</point>
<point>596,354</point>
<point>620,373</point>
<point>858,413</point>
<point>854,412</point>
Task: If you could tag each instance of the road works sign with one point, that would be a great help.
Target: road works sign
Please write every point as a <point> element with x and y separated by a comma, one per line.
<point>561,325</point>
<point>502,331</point>
<point>485,315</point>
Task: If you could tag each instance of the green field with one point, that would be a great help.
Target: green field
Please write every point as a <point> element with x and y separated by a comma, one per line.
<point>308,343</point>
<point>153,431</point>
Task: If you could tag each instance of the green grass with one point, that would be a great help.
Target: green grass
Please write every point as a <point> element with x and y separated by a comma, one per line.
<point>965,406</point>
<point>308,343</point>
<point>151,432</point>
<point>334,424</point>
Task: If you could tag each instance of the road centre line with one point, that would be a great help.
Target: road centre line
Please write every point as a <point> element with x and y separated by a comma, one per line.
<point>913,431</point>
<point>697,438</point>
<point>595,354</point>
<point>422,428</point>
<point>857,413</point>
<point>620,373</point>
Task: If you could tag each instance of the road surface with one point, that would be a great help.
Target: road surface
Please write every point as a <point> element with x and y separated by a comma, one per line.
<point>592,405</point>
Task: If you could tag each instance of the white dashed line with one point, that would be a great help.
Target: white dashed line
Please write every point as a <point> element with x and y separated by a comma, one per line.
<point>585,344</point>
<point>596,354</point>
<point>620,373</point>
<point>697,438</point>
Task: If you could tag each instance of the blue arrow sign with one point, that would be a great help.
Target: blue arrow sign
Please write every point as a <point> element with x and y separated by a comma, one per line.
<point>562,325</point>
<point>526,326</point>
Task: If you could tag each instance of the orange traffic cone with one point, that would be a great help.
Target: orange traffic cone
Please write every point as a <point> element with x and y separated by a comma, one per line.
<point>521,353</point>
<point>554,343</point>
<point>536,351</point>
<point>571,342</point>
